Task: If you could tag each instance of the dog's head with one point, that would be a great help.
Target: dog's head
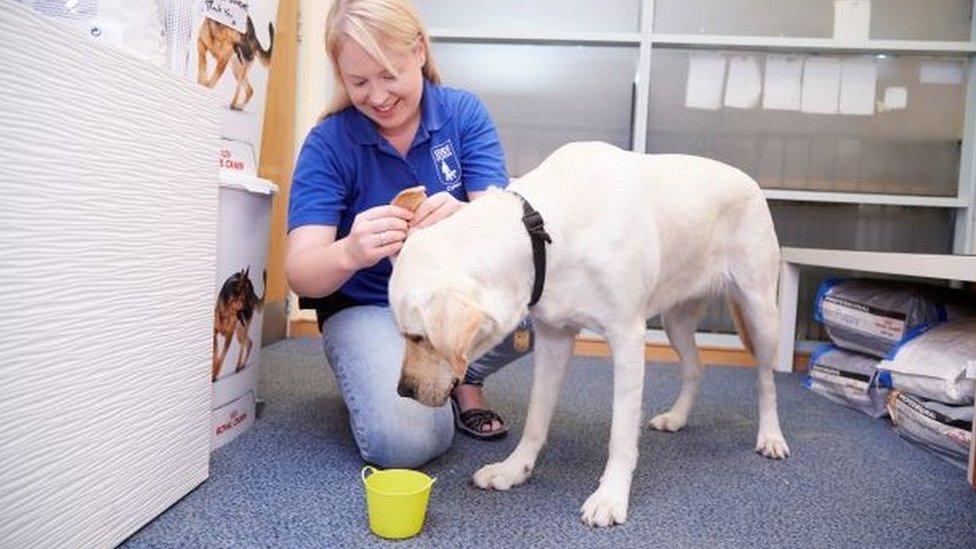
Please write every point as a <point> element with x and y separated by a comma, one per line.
<point>443,316</point>
<point>444,330</point>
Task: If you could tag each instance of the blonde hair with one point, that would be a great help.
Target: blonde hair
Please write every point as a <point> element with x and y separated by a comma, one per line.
<point>374,24</point>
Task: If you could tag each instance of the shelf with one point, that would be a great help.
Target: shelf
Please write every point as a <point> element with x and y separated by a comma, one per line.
<point>771,43</point>
<point>940,266</point>
<point>865,198</point>
<point>536,37</point>
<point>813,45</point>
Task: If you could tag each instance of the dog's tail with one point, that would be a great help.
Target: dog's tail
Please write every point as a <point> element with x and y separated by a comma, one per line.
<point>740,325</point>
<point>265,54</point>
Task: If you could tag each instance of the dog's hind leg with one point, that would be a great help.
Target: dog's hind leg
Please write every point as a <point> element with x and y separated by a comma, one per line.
<point>680,323</point>
<point>553,349</point>
<point>758,316</point>
<point>243,86</point>
<point>244,339</point>
<point>608,505</point>
<point>244,91</point>
<point>240,73</point>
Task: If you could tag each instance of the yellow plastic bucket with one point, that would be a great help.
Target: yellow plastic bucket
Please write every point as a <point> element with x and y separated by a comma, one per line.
<point>396,501</point>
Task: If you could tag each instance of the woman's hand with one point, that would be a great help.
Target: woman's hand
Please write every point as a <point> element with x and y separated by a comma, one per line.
<point>376,233</point>
<point>436,208</point>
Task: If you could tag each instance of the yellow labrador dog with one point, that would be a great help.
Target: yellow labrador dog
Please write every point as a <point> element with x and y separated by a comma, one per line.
<point>632,236</point>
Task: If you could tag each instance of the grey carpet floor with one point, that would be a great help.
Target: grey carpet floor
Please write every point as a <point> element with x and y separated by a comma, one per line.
<point>293,479</point>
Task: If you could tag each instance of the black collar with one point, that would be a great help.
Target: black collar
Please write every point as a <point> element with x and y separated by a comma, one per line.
<point>537,233</point>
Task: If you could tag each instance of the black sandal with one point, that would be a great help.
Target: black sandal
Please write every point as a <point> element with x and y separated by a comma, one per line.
<point>471,421</point>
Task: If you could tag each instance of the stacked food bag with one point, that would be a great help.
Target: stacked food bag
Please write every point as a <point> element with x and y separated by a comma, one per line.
<point>848,378</point>
<point>904,350</point>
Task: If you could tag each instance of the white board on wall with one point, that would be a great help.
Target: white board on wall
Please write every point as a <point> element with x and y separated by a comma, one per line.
<point>108,230</point>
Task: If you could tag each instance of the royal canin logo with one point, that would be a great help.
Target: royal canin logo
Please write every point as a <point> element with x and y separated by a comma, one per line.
<point>231,164</point>
<point>235,420</point>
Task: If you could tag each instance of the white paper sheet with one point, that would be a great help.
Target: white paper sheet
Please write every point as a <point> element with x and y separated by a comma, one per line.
<point>782,84</point>
<point>744,84</point>
<point>706,75</point>
<point>821,85</point>
<point>895,97</point>
<point>858,85</point>
<point>852,20</point>
<point>940,72</point>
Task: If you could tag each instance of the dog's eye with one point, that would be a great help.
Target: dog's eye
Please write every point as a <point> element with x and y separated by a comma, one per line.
<point>414,338</point>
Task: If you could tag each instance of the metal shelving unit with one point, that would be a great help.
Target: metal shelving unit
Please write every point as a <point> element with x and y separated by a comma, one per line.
<point>647,41</point>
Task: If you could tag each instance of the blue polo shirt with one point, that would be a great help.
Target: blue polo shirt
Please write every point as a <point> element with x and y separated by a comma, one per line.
<point>346,167</point>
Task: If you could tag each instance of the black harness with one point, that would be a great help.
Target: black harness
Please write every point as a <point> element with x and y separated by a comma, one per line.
<point>537,233</point>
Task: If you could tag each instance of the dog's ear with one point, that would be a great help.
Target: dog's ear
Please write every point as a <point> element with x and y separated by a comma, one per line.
<point>451,322</point>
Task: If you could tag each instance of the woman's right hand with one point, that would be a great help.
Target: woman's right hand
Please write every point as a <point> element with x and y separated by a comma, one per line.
<point>376,233</point>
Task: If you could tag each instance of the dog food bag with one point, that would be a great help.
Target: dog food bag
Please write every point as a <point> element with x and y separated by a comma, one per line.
<point>875,316</point>
<point>126,25</point>
<point>847,378</point>
<point>937,365</point>
<point>943,429</point>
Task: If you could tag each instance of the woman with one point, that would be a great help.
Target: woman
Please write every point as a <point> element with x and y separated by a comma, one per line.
<point>389,126</point>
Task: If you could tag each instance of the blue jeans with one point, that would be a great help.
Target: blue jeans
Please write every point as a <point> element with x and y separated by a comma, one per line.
<point>365,350</point>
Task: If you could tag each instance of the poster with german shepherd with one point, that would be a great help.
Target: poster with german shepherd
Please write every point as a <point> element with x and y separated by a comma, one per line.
<point>230,53</point>
<point>242,252</point>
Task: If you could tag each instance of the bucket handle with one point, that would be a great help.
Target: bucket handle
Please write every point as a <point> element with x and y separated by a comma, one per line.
<point>373,470</point>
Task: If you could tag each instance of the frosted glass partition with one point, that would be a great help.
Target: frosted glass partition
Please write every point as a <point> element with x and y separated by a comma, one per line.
<point>541,97</point>
<point>864,227</point>
<point>798,18</point>
<point>534,15</point>
<point>843,226</point>
<point>909,145</point>
<point>921,20</point>
<point>890,19</point>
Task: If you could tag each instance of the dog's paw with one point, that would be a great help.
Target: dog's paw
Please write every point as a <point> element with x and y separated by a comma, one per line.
<point>501,476</point>
<point>604,508</point>
<point>772,446</point>
<point>668,421</point>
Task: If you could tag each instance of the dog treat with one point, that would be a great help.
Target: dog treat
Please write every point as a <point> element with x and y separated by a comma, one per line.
<point>411,198</point>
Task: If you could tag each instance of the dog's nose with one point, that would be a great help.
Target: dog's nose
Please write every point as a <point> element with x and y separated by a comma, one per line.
<point>404,391</point>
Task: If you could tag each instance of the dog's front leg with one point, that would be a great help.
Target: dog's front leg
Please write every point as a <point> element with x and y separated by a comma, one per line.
<point>608,505</point>
<point>244,338</point>
<point>219,360</point>
<point>223,57</point>
<point>201,61</point>
<point>553,349</point>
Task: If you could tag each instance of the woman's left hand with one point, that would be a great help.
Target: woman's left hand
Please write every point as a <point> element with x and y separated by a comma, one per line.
<point>437,207</point>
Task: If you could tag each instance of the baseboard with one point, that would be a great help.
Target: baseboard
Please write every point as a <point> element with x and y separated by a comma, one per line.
<point>303,328</point>
<point>659,352</point>
<point>588,346</point>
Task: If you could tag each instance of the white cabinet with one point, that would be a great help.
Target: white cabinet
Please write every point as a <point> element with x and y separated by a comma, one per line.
<point>108,231</point>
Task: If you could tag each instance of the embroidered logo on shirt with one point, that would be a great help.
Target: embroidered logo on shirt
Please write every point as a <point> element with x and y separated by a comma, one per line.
<point>448,168</point>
